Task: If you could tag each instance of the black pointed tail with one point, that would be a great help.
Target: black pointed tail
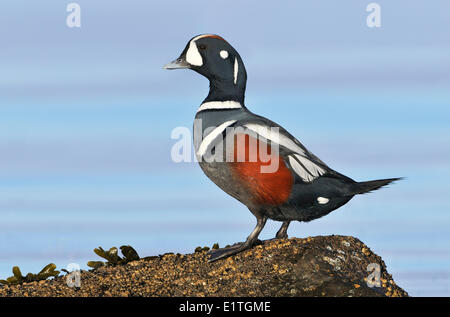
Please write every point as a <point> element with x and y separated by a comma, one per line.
<point>366,187</point>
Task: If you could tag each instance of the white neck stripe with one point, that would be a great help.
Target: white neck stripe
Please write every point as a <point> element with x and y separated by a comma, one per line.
<point>229,104</point>
<point>236,68</point>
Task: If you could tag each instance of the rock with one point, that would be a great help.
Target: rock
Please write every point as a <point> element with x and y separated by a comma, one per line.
<point>314,266</point>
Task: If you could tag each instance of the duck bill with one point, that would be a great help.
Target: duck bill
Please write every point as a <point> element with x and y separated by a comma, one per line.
<point>179,63</point>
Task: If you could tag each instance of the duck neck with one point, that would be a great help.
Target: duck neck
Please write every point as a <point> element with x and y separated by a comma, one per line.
<point>225,91</point>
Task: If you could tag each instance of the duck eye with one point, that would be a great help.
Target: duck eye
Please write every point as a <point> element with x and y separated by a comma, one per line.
<point>202,46</point>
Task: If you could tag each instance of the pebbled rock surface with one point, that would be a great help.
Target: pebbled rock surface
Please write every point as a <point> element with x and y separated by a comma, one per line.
<point>314,266</point>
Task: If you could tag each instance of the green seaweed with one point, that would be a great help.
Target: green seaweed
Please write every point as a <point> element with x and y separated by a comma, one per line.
<point>112,258</point>
<point>48,271</point>
<point>200,249</point>
<point>96,264</point>
<point>129,253</point>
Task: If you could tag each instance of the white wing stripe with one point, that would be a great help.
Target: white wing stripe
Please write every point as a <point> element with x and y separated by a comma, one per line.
<point>312,168</point>
<point>300,170</point>
<point>279,138</point>
<point>304,167</point>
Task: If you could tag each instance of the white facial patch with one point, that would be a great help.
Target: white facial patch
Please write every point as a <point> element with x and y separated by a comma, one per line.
<point>193,56</point>
<point>236,69</point>
<point>322,200</point>
<point>224,54</point>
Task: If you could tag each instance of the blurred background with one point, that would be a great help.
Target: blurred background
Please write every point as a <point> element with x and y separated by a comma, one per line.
<point>86,115</point>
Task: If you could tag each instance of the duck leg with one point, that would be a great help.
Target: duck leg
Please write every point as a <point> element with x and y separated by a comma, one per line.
<point>282,233</point>
<point>239,247</point>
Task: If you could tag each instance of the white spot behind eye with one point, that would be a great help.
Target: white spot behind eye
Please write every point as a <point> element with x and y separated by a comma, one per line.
<point>224,54</point>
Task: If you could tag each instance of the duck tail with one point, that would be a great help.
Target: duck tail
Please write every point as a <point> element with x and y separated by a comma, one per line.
<point>369,186</point>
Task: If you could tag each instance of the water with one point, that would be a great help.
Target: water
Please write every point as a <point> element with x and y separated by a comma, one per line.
<point>91,174</point>
<point>86,116</point>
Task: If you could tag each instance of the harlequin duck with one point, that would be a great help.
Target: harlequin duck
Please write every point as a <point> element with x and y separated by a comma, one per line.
<point>252,158</point>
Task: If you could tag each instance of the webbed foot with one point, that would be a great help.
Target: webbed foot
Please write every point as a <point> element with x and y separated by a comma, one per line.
<point>217,254</point>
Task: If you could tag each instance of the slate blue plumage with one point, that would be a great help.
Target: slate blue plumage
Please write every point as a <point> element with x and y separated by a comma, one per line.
<point>301,188</point>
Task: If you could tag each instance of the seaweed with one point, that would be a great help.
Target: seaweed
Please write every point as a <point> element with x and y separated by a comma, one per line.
<point>112,258</point>
<point>200,249</point>
<point>48,271</point>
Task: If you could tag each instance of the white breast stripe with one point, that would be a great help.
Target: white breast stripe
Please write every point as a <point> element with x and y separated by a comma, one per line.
<point>212,136</point>
<point>230,104</point>
<point>236,68</point>
<point>279,138</point>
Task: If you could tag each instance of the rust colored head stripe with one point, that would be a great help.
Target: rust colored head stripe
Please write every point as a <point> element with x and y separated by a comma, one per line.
<point>215,37</point>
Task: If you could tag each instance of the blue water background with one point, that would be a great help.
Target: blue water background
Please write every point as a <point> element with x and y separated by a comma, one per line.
<point>86,116</point>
